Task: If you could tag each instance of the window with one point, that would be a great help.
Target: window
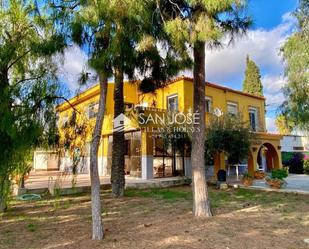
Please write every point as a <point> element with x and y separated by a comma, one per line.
<point>298,148</point>
<point>232,108</point>
<point>172,103</point>
<point>127,147</point>
<point>64,120</point>
<point>93,109</point>
<point>208,104</point>
<point>253,118</point>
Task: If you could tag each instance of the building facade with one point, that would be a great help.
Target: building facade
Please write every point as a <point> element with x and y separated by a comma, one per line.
<point>293,145</point>
<point>146,155</point>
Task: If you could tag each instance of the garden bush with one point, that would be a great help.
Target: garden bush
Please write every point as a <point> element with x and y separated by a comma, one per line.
<point>306,167</point>
<point>296,163</point>
<point>279,174</point>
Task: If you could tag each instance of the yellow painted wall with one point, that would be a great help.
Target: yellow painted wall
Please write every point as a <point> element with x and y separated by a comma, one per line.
<point>220,97</point>
<point>82,101</point>
<point>182,87</point>
<point>159,98</point>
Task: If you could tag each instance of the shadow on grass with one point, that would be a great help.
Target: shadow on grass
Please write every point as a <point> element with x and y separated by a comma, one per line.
<point>169,194</point>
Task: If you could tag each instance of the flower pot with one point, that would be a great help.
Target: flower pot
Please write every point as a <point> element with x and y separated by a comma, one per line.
<point>247,181</point>
<point>259,175</point>
<point>26,177</point>
<point>275,183</point>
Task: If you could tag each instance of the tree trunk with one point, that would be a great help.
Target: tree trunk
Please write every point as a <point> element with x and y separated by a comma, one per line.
<point>2,204</point>
<point>117,174</point>
<point>5,107</point>
<point>3,194</point>
<point>97,227</point>
<point>201,205</point>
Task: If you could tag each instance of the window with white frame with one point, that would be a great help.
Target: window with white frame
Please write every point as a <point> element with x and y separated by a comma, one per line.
<point>208,104</point>
<point>232,108</point>
<point>93,109</point>
<point>253,118</point>
<point>172,103</point>
<point>87,149</point>
<point>64,120</point>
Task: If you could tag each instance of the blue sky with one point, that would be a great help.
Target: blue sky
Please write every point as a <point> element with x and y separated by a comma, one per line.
<point>268,13</point>
<point>272,25</point>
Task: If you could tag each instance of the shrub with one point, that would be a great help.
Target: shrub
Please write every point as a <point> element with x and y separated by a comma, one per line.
<point>306,167</point>
<point>279,174</point>
<point>286,157</point>
<point>227,134</point>
<point>296,163</point>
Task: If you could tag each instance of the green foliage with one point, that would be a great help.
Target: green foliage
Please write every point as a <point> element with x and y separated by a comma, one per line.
<point>247,175</point>
<point>279,174</point>
<point>188,22</point>
<point>283,125</point>
<point>306,167</point>
<point>296,57</point>
<point>252,83</point>
<point>74,133</point>
<point>32,227</point>
<point>28,85</point>
<point>123,34</point>
<point>227,134</point>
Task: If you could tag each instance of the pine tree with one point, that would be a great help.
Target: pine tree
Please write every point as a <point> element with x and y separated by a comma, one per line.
<point>196,24</point>
<point>119,41</point>
<point>252,83</point>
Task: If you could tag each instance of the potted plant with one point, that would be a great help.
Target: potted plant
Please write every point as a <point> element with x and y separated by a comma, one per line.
<point>247,179</point>
<point>259,174</point>
<point>276,179</point>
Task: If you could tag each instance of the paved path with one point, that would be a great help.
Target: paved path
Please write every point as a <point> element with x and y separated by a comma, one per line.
<point>295,183</point>
<point>43,180</point>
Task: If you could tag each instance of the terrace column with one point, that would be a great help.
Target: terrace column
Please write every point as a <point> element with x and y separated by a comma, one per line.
<point>219,161</point>
<point>252,160</point>
<point>147,155</point>
<point>188,172</point>
<point>187,162</point>
<point>104,149</point>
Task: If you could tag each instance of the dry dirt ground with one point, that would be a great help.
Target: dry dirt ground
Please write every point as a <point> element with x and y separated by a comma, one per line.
<point>161,219</point>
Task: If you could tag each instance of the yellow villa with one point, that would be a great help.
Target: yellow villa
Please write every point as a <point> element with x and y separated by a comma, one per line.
<point>145,154</point>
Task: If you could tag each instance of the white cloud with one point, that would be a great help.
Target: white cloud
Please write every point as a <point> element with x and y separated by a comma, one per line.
<point>273,85</point>
<point>72,64</point>
<point>274,100</point>
<point>262,45</point>
<point>270,125</point>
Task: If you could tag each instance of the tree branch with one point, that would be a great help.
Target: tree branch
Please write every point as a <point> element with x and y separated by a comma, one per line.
<point>28,79</point>
<point>18,58</point>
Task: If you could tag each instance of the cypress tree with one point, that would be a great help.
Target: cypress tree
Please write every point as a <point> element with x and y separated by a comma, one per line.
<point>252,83</point>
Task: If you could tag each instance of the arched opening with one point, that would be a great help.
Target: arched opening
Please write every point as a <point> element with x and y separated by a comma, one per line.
<point>267,158</point>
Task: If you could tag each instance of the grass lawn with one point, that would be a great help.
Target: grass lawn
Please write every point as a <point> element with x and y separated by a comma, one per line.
<point>161,218</point>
